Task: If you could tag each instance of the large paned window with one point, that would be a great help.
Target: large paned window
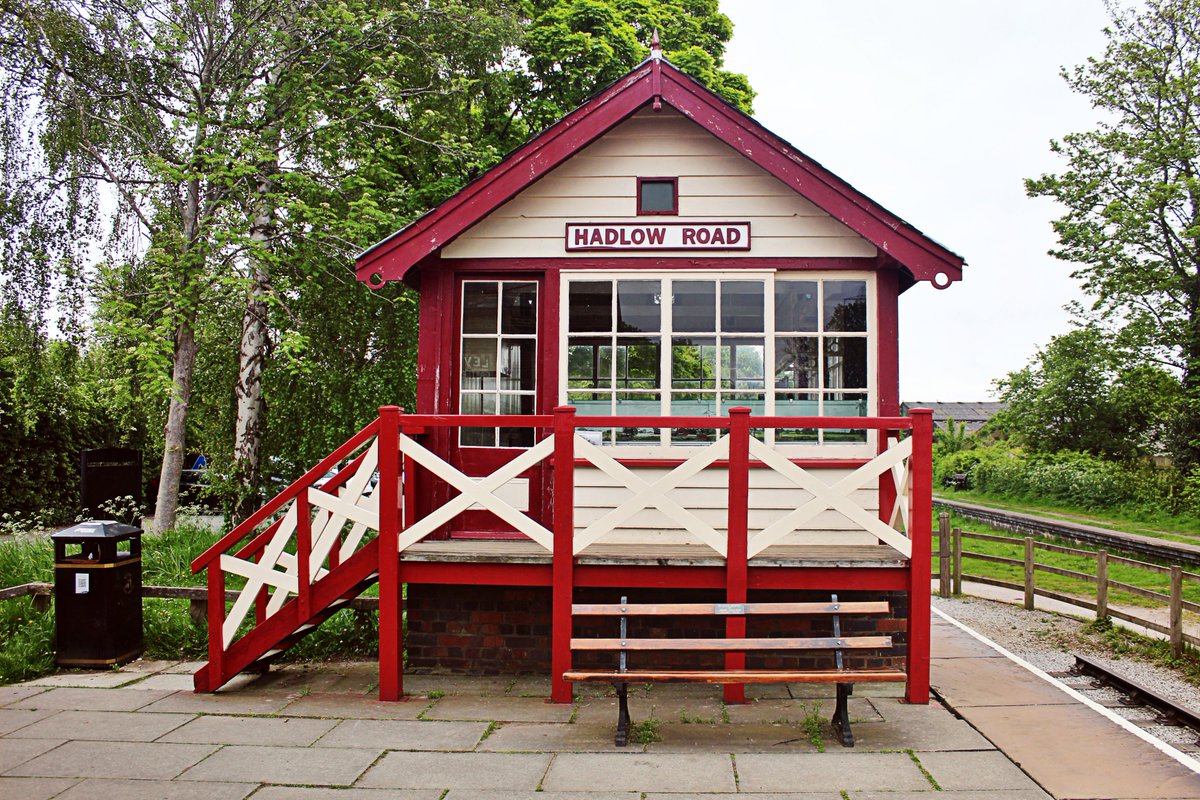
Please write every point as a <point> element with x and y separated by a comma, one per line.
<point>697,346</point>
<point>498,369</point>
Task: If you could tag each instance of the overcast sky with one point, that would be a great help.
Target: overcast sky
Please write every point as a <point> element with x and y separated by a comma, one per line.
<point>938,110</point>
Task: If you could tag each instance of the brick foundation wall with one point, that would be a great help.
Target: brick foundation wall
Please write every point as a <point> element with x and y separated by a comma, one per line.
<point>487,630</point>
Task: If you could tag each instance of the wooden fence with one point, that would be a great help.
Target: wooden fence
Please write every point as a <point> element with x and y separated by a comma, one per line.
<point>950,555</point>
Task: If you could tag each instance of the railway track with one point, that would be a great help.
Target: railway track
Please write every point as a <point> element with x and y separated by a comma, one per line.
<point>1168,551</point>
<point>1142,705</point>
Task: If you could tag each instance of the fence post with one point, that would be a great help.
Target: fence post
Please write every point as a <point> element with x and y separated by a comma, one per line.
<point>303,555</point>
<point>956,544</point>
<point>563,571</point>
<point>1102,584</point>
<point>944,554</point>
<point>1029,573</point>
<point>391,591</point>
<point>1176,611</point>
<point>736,565</point>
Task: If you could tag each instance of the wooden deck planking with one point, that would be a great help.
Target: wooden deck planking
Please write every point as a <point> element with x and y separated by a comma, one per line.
<point>524,551</point>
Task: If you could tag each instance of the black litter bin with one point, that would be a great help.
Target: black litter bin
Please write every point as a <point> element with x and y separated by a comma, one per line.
<point>98,594</point>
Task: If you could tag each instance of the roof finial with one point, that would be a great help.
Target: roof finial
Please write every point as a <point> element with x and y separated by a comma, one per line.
<point>655,45</point>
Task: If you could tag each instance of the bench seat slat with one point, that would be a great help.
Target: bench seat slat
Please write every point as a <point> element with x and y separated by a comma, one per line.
<point>723,609</point>
<point>737,645</point>
<point>881,675</point>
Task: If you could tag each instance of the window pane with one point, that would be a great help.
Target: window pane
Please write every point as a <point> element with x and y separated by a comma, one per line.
<point>519,308</point>
<point>693,363</point>
<point>517,365</point>
<point>845,306</point>
<point>637,363</point>
<point>640,404</point>
<point>796,362</point>
<point>694,306</point>
<point>741,306</point>
<point>845,362</point>
<point>693,404</point>
<point>590,306</point>
<point>471,403</point>
<point>591,403</point>
<point>479,306</point>
<point>478,364</point>
<point>845,404</point>
<point>589,363</point>
<point>657,196</point>
<point>639,306</point>
<point>796,404</point>
<point>742,364</point>
<point>515,404</point>
<point>796,306</point>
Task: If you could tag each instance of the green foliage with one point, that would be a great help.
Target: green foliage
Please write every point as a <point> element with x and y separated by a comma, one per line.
<point>28,637</point>
<point>648,731</point>
<point>1131,190</point>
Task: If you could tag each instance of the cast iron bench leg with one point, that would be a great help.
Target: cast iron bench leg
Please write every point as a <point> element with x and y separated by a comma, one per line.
<point>841,714</point>
<point>622,714</point>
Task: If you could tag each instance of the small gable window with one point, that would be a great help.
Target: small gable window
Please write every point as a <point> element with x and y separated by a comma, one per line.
<point>658,196</point>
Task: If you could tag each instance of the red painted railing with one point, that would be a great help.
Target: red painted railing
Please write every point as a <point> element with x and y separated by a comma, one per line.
<point>391,509</point>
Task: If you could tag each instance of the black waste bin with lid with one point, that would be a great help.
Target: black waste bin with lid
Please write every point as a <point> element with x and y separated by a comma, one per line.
<point>98,594</point>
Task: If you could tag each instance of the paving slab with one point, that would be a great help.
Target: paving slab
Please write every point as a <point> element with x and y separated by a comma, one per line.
<point>121,760</point>
<point>471,794</point>
<point>990,794</point>
<point>351,706</point>
<point>421,684</point>
<point>280,731</point>
<point>991,682</point>
<point>545,737</point>
<point>489,772</point>
<point>156,790</point>
<point>529,686</point>
<point>1045,742</point>
<point>501,709</point>
<point>749,738</point>
<point>307,766</point>
<point>34,788</point>
<point>830,771</point>
<point>643,772</point>
<point>915,727</point>
<point>108,679</point>
<point>12,719</point>
<point>795,711</point>
<point>315,793</point>
<point>165,681</point>
<point>759,796</point>
<point>13,694</point>
<point>190,667</point>
<point>405,735</point>
<point>220,703</point>
<point>343,677</point>
<point>989,770</point>
<point>90,699</point>
<point>14,752</point>
<point>148,666</point>
<point>666,707</point>
<point>108,726</point>
<point>945,642</point>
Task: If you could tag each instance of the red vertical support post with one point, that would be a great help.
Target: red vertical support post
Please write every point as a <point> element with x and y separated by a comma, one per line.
<point>391,598</point>
<point>216,627</point>
<point>563,580</point>
<point>920,532</point>
<point>303,555</point>
<point>736,562</point>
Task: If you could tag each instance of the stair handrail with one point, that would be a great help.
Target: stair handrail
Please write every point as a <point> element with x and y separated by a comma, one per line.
<point>305,481</point>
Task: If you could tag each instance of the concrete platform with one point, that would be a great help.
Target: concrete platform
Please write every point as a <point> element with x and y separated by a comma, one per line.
<point>317,733</point>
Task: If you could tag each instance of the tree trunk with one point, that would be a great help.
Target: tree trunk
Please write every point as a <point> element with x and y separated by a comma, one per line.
<point>251,418</point>
<point>174,448</point>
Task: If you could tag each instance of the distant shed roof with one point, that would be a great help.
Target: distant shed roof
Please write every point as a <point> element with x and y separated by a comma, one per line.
<point>973,415</point>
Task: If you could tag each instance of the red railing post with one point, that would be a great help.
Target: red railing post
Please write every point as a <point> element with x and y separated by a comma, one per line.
<point>391,598</point>
<point>920,531</point>
<point>736,564</point>
<point>887,483</point>
<point>216,627</point>
<point>303,555</point>
<point>563,579</point>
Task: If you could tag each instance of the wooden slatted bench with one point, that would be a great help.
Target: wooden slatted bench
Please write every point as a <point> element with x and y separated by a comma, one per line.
<point>844,677</point>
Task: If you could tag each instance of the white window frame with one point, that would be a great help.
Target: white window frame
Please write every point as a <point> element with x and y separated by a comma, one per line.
<point>665,448</point>
<point>498,336</point>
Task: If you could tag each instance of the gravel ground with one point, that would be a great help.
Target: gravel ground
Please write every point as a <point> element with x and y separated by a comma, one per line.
<point>1049,642</point>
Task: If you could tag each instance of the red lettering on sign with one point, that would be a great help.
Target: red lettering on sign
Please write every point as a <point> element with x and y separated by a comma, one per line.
<point>689,235</point>
<point>703,235</point>
<point>597,237</point>
<point>656,235</point>
<point>732,236</point>
<point>611,236</point>
<point>638,236</point>
<point>718,236</point>
<point>581,237</point>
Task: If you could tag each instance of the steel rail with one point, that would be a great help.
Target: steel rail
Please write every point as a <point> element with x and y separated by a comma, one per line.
<point>1136,691</point>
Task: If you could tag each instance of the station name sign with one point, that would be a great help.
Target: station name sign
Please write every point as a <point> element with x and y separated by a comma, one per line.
<point>658,236</point>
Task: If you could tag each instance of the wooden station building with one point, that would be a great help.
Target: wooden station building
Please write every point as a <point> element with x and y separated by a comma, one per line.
<point>658,358</point>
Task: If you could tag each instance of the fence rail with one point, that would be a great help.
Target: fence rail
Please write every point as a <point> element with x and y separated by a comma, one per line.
<point>951,554</point>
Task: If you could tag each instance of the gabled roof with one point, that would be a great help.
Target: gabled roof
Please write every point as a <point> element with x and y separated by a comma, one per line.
<point>656,81</point>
